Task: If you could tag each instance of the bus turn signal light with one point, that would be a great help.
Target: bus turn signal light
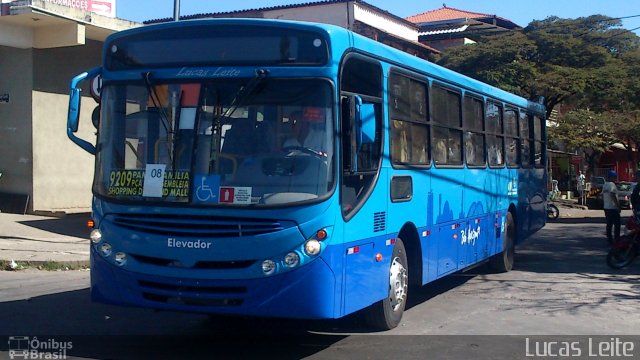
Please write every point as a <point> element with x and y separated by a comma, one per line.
<point>321,234</point>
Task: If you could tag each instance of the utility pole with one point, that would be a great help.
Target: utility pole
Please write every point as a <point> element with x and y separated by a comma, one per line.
<point>176,10</point>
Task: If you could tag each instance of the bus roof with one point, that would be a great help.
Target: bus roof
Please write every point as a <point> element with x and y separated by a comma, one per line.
<point>362,44</point>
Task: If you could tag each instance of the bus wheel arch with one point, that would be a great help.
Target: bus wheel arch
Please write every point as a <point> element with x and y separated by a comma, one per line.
<point>405,271</point>
<point>411,240</point>
<point>503,261</point>
<point>386,314</point>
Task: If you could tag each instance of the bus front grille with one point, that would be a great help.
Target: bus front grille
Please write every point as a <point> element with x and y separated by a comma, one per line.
<point>192,295</point>
<point>209,265</point>
<point>179,288</point>
<point>191,301</point>
<point>195,225</point>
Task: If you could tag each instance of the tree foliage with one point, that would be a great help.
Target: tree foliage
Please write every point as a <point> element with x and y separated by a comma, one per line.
<point>574,61</point>
<point>589,65</point>
<point>584,131</point>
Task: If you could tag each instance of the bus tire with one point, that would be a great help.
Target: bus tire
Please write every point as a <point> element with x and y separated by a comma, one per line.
<point>387,313</point>
<point>503,262</point>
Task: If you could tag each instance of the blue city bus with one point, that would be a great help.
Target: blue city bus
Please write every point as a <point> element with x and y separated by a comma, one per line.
<point>289,169</point>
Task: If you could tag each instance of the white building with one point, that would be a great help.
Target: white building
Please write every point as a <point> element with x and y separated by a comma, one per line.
<point>42,46</point>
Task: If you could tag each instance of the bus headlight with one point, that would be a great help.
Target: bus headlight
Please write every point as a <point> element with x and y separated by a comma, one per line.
<point>95,236</point>
<point>105,249</point>
<point>120,258</point>
<point>312,247</point>
<point>268,267</point>
<point>292,259</point>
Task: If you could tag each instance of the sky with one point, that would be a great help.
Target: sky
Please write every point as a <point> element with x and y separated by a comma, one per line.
<point>521,12</point>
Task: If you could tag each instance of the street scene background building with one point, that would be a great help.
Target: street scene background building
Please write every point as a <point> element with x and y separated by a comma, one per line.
<point>44,43</point>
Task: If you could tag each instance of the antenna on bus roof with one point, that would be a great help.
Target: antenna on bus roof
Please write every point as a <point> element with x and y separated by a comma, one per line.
<point>176,10</point>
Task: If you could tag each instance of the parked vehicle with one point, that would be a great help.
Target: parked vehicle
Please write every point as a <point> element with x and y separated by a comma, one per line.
<point>625,249</point>
<point>597,182</point>
<point>552,211</point>
<point>594,196</point>
<point>625,189</point>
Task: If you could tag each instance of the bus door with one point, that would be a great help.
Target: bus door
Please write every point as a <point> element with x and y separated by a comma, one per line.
<point>363,198</point>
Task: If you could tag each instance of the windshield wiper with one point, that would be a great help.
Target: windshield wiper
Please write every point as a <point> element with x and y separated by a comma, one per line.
<point>244,91</point>
<point>164,117</point>
<point>238,98</point>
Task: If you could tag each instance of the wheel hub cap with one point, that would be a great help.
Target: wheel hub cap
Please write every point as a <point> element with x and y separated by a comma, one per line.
<point>398,284</point>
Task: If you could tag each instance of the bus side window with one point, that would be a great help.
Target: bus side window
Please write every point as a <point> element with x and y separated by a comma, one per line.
<point>446,126</point>
<point>474,139</point>
<point>361,77</point>
<point>495,138</point>
<point>408,130</point>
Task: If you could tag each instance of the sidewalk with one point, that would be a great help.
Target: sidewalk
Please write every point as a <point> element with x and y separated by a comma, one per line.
<point>571,209</point>
<point>65,240</point>
<point>41,239</point>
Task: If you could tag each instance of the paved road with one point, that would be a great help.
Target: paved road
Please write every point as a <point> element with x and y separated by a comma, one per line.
<point>560,288</point>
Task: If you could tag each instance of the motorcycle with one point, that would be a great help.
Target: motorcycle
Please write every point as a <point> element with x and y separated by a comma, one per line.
<point>625,249</point>
<point>552,211</point>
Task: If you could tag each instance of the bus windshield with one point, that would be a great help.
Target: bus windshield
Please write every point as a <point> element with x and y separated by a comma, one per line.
<point>224,142</point>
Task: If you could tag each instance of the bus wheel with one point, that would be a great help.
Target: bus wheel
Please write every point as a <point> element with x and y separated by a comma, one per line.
<point>387,313</point>
<point>503,261</point>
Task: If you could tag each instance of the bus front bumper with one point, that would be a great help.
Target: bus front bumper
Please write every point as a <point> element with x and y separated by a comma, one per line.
<point>308,292</point>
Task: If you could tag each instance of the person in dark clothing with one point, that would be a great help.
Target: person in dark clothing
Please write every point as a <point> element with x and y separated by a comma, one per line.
<point>611,207</point>
<point>635,199</point>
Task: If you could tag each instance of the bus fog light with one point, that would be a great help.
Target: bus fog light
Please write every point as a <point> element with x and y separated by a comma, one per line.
<point>95,236</point>
<point>105,249</point>
<point>120,258</point>
<point>292,259</point>
<point>268,267</point>
<point>312,247</point>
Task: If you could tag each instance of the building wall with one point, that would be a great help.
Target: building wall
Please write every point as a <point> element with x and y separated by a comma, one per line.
<point>62,172</point>
<point>444,44</point>
<point>16,80</point>
<point>384,22</point>
<point>340,14</point>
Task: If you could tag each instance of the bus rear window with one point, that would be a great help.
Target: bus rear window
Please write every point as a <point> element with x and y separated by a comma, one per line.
<point>209,45</point>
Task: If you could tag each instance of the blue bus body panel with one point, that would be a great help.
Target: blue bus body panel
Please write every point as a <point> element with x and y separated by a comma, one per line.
<point>458,214</point>
<point>308,292</point>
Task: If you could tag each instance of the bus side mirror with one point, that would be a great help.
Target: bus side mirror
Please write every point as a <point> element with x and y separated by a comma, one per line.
<point>73,115</point>
<point>365,122</point>
<point>74,109</point>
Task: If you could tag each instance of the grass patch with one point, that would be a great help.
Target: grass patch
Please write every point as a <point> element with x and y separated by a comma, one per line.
<point>43,265</point>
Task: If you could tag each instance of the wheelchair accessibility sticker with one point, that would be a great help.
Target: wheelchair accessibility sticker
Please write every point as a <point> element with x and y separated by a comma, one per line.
<point>206,189</point>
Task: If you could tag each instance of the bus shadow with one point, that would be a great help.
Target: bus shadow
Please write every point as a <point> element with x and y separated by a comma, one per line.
<point>419,295</point>
<point>106,332</point>
<point>69,225</point>
<point>573,246</point>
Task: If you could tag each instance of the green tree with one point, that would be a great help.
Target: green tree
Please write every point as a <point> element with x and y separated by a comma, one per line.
<point>562,60</point>
<point>585,131</point>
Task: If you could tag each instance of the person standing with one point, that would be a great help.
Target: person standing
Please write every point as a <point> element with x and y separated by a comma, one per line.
<point>611,207</point>
<point>580,183</point>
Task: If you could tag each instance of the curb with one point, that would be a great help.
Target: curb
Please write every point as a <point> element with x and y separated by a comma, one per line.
<point>36,264</point>
<point>571,206</point>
